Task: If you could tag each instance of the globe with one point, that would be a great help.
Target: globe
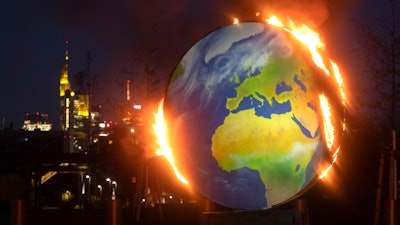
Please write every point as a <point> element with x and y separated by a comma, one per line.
<point>243,116</point>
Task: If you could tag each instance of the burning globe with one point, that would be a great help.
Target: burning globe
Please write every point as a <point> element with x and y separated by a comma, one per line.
<point>245,116</point>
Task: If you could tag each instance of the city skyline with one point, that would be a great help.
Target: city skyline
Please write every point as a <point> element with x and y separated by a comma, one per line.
<point>128,40</point>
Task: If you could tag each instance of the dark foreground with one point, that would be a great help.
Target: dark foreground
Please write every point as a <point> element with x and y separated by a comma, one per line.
<point>325,212</point>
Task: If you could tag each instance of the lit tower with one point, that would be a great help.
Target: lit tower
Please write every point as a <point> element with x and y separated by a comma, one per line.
<point>66,103</point>
<point>64,82</point>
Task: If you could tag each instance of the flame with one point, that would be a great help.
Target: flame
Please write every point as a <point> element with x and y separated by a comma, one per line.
<point>326,170</point>
<point>311,39</point>
<point>339,80</point>
<point>235,21</point>
<point>308,37</point>
<point>160,129</point>
<point>329,129</point>
<point>275,21</point>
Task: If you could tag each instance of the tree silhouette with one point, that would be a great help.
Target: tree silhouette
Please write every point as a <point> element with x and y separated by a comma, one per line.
<point>381,50</point>
<point>380,46</point>
<point>143,71</point>
<point>84,80</point>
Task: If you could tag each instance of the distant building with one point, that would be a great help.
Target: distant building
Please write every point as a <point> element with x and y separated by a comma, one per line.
<point>81,124</point>
<point>94,131</point>
<point>131,113</point>
<point>77,119</point>
<point>66,105</point>
<point>36,121</point>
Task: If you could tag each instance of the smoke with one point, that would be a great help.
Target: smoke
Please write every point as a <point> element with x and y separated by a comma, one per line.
<point>311,12</point>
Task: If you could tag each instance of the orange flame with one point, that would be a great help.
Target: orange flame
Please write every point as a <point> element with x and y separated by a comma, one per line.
<point>160,129</point>
<point>275,21</point>
<point>339,80</point>
<point>326,170</point>
<point>329,129</point>
<point>308,37</point>
<point>311,39</point>
<point>235,21</point>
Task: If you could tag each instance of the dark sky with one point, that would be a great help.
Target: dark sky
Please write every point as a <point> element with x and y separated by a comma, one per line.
<point>125,35</point>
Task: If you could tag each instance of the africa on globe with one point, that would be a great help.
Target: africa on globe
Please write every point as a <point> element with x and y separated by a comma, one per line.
<point>244,118</point>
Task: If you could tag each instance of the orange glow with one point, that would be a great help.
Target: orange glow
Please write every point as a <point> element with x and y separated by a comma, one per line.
<point>275,21</point>
<point>339,80</point>
<point>307,36</point>
<point>160,129</point>
<point>326,170</point>
<point>235,21</point>
<point>329,129</point>
<point>311,39</point>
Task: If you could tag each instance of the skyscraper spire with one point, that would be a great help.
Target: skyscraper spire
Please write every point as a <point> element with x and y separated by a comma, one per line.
<point>64,82</point>
<point>66,97</point>
<point>66,51</point>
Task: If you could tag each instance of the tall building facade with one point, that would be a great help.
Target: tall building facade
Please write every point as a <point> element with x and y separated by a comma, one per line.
<point>66,104</point>
<point>77,120</point>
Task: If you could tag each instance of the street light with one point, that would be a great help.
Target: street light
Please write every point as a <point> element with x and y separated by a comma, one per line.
<point>114,189</point>
<point>109,187</point>
<point>88,178</point>
<point>100,190</point>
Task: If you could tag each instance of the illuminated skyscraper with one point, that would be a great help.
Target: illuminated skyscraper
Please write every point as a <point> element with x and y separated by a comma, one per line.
<point>64,82</point>
<point>81,123</point>
<point>78,121</point>
<point>66,104</point>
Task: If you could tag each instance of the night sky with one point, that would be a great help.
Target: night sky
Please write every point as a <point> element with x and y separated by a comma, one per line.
<point>124,37</point>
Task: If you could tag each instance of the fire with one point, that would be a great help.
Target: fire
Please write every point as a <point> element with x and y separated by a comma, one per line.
<point>275,21</point>
<point>311,39</point>
<point>339,80</point>
<point>160,129</point>
<point>329,129</point>
<point>326,170</point>
<point>308,37</point>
